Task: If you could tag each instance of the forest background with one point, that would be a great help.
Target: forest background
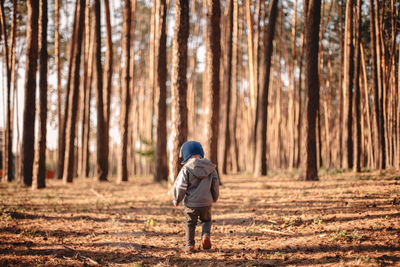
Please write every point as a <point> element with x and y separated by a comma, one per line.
<point>154,75</point>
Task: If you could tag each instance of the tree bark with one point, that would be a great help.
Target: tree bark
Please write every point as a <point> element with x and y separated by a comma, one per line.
<point>108,73</point>
<point>62,140</point>
<point>83,168</point>
<point>374,85</point>
<point>227,86</point>
<point>39,173</point>
<point>291,108</point>
<point>126,94</point>
<point>102,142</point>
<point>260,167</point>
<point>348,87</point>
<point>69,164</point>
<point>381,88</point>
<point>235,38</point>
<point>28,134</point>
<point>179,129</point>
<point>356,82</point>
<point>57,62</point>
<point>160,157</point>
<point>7,140</point>
<point>312,86</point>
<point>213,68</point>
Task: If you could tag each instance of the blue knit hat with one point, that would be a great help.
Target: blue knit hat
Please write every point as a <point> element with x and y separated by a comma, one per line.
<point>190,148</point>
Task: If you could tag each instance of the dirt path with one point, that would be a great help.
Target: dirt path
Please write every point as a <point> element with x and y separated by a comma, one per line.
<point>344,219</point>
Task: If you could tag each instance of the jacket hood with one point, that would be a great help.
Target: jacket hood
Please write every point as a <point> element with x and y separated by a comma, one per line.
<point>201,168</point>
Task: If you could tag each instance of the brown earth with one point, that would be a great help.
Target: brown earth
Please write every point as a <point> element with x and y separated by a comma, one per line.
<point>343,219</point>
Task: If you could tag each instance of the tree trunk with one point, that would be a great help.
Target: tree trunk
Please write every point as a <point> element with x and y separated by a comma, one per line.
<point>69,164</point>
<point>62,139</point>
<point>374,85</point>
<point>102,142</point>
<point>7,140</point>
<point>39,172</point>
<point>250,49</point>
<point>126,94</point>
<point>160,157</point>
<point>57,62</point>
<point>83,169</point>
<point>11,162</point>
<point>260,167</point>
<point>380,87</point>
<point>312,86</point>
<point>340,117</point>
<point>357,39</point>
<point>227,86</point>
<point>213,68</point>
<point>370,141</point>
<point>28,134</point>
<point>348,87</point>
<point>299,108</point>
<point>108,70</point>
<point>235,38</point>
<point>179,129</point>
<point>291,108</point>
<point>108,73</point>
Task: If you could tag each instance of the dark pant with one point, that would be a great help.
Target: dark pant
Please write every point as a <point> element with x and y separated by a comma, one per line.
<point>192,215</point>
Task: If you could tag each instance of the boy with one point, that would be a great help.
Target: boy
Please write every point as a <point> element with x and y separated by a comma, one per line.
<point>197,184</point>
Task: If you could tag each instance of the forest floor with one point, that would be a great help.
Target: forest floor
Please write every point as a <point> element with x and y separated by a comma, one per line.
<point>343,219</point>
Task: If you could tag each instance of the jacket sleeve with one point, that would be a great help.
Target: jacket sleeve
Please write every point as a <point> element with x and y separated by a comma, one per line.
<point>215,186</point>
<point>180,186</point>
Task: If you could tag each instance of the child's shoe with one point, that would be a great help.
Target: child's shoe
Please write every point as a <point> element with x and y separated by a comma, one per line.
<point>187,248</point>
<point>206,241</point>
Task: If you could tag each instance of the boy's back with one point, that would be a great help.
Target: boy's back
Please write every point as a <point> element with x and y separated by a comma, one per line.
<point>197,183</point>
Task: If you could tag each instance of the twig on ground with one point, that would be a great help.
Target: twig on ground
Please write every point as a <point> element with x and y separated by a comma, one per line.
<point>97,193</point>
<point>91,260</point>
<point>275,232</point>
<point>79,256</point>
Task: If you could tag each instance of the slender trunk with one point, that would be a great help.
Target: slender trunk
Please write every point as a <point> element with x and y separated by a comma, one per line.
<point>260,166</point>
<point>108,73</point>
<point>7,151</point>
<point>39,173</point>
<point>374,85</point>
<point>179,129</point>
<point>250,49</point>
<point>57,62</point>
<point>312,87</point>
<point>69,170</point>
<point>134,118</point>
<point>62,140</point>
<point>102,142</point>
<point>227,86</point>
<point>300,104</point>
<point>291,108</point>
<point>235,38</point>
<point>28,134</point>
<point>260,17</point>
<point>213,68</point>
<point>83,159</point>
<point>348,87</point>
<point>380,87</point>
<point>126,95</point>
<point>161,167</point>
<point>370,141</point>
<point>14,85</point>
<point>357,39</point>
<point>340,117</point>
